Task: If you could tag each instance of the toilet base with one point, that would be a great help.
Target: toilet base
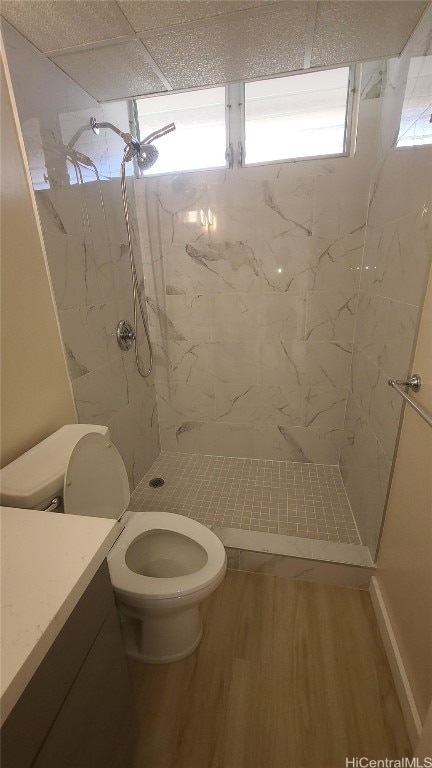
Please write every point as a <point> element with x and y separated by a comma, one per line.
<point>160,639</point>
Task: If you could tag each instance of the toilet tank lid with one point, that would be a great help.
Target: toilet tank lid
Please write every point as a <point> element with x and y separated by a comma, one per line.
<point>39,472</point>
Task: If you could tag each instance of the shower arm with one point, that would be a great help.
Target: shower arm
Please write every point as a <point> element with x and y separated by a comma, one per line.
<point>159,133</point>
<point>127,137</point>
<point>94,126</point>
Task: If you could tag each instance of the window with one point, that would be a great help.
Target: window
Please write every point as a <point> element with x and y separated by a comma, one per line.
<point>416,119</point>
<point>199,140</point>
<point>297,116</point>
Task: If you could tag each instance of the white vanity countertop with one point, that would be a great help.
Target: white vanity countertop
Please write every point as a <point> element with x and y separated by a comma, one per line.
<point>48,560</point>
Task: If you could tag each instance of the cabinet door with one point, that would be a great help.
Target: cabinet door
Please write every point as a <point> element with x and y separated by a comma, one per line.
<point>34,713</point>
<point>96,726</point>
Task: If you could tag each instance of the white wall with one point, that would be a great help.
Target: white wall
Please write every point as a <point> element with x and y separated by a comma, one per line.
<point>404,566</point>
<point>36,396</point>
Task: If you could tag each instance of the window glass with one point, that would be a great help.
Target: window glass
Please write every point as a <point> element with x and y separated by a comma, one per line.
<point>297,116</point>
<point>199,140</point>
<point>416,121</point>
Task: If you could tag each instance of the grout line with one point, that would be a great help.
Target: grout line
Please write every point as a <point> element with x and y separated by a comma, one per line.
<point>241,494</point>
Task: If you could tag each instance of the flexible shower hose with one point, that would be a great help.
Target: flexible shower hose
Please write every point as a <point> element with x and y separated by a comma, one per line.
<point>137,301</point>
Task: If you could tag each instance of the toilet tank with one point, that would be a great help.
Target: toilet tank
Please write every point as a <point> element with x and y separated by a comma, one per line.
<point>36,477</point>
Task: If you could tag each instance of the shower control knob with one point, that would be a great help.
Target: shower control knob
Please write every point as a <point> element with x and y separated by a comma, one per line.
<point>125,335</point>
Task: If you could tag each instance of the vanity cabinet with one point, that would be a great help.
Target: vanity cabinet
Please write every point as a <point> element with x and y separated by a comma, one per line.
<point>77,710</point>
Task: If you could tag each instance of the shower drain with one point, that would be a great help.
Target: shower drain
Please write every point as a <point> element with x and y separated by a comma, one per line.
<point>156,482</point>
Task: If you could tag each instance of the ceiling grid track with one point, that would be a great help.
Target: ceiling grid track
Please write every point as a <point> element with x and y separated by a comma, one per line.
<point>310,31</point>
<point>120,49</point>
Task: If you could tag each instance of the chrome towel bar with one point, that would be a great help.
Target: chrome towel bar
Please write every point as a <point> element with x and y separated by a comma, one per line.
<point>414,382</point>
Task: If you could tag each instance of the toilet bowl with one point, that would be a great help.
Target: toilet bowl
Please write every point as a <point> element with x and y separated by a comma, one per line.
<point>162,566</point>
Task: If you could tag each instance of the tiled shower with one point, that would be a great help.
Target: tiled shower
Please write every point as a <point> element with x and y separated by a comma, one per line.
<point>278,318</point>
<point>280,298</point>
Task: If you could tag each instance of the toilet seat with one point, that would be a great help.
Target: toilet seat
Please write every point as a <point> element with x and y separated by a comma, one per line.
<point>96,485</point>
<point>162,566</point>
<point>95,481</point>
<point>128,582</point>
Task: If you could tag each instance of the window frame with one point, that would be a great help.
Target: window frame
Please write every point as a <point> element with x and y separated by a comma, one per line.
<point>235,127</point>
<point>401,147</point>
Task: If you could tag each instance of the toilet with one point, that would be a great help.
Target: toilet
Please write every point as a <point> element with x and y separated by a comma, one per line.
<point>162,566</point>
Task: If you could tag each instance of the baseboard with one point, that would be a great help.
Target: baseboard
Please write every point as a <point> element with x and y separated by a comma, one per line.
<point>403,688</point>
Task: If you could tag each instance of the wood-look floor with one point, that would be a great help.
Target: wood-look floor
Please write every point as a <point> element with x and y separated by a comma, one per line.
<point>288,675</point>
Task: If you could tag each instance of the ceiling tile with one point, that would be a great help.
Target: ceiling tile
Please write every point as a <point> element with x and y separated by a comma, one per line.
<point>356,31</point>
<point>51,25</point>
<point>151,15</point>
<point>226,51</point>
<point>112,71</point>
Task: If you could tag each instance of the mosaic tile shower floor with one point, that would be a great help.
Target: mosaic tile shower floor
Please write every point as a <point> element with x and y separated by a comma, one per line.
<point>305,500</point>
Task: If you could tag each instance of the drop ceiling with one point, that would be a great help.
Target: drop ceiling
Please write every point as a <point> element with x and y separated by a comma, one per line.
<point>128,48</point>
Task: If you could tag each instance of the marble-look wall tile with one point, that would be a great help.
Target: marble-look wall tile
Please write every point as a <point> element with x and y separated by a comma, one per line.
<point>185,401</point>
<point>140,390</point>
<point>380,405</point>
<point>373,73</point>
<point>385,332</point>
<point>136,439</point>
<point>73,271</point>
<point>279,265</point>
<point>183,318</point>
<point>235,362</point>
<point>282,316</point>
<point>188,269</point>
<point>174,207</point>
<point>324,407</point>
<point>61,208</point>
<point>270,404</point>
<point>227,362</point>
<point>338,232</point>
<point>231,439</point>
<point>285,263</point>
<point>211,267</point>
<point>330,316</point>
<point>399,339</point>
<point>86,244</point>
<point>187,436</point>
<point>88,337</point>
<point>397,254</point>
<point>304,444</point>
<point>364,378</point>
<point>101,393</point>
<point>384,414</point>
<point>234,317</point>
<point>231,266</point>
<point>371,325</point>
<point>366,472</point>
<point>305,363</point>
<point>414,167</point>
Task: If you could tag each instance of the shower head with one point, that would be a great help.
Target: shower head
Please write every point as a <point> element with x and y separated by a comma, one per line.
<point>147,156</point>
<point>144,151</point>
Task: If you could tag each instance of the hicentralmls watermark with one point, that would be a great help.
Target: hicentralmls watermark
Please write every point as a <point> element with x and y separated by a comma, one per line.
<point>387,762</point>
